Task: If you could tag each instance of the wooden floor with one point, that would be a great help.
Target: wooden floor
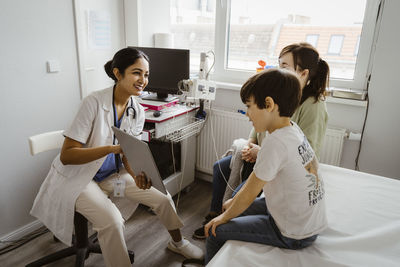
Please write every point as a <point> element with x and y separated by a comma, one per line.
<point>144,234</point>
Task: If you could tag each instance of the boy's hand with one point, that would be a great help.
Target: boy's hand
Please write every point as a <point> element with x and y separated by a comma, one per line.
<point>246,153</point>
<point>227,204</point>
<point>245,149</point>
<point>253,152</point>
<point>249,153</point>
<point>213,224</point>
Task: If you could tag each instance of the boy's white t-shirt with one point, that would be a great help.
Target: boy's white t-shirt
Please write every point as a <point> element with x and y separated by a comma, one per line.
<point>294,191</point>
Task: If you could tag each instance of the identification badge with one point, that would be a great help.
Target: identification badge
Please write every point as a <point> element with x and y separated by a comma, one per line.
<point>119,188</point>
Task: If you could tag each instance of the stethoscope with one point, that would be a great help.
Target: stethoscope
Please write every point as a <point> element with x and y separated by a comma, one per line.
<point>130,112</point>
<point>118,124</point>
<point>132,109</point>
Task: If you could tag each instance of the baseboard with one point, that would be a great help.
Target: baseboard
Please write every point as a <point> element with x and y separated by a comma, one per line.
<point>20,233</point>
<point>204,176</point>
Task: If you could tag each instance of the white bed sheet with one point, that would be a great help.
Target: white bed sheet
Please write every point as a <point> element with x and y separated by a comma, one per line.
<point>364,228</point>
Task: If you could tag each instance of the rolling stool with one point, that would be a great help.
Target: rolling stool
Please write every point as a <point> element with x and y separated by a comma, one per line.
<point>82,246</point>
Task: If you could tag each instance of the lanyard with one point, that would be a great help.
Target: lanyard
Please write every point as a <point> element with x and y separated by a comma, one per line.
<point>117,123</point>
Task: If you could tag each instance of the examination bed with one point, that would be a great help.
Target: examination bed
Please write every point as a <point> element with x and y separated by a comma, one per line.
<point>363,213</point>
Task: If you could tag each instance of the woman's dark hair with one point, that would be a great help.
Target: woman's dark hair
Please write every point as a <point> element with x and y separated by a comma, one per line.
<point>305,56</point>
<point>122,60</point>
<point>281,85</point>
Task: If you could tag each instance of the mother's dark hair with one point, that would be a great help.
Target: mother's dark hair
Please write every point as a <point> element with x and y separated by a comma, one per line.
<point>122,60</point>
<point>305,56</point>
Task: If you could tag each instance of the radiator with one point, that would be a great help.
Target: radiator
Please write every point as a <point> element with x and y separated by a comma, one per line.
<point>225,127</point>
<point>222,127</point>
<point>331,150</point>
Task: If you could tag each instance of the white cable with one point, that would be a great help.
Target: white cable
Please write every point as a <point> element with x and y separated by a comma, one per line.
<point>212,65</point>
<point>182,177</point>
<point>173,156</point>
<point>216,153</point>
<point>183,162</point>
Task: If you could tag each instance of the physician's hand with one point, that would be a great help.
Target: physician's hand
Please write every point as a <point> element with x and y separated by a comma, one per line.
<point>116,149</point>
<point>213,224</point>
<point>141,181</point>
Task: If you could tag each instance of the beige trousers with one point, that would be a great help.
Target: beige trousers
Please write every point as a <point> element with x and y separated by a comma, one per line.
<point>94,204</point>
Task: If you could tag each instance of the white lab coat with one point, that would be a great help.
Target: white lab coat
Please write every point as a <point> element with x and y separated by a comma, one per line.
<point>55,203</point>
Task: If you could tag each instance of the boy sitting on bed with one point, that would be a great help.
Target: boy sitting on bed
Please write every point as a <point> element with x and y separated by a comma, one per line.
<point>286,170</point>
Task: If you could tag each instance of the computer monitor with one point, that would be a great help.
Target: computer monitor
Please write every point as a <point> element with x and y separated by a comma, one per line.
<point>167,68</point>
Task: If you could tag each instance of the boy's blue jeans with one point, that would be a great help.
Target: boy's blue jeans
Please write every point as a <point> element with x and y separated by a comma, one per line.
<point>254,225</point>
<point>247,170</point>
<point>219,183</point>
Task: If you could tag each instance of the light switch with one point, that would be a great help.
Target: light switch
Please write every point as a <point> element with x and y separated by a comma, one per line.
<point>53,66</point>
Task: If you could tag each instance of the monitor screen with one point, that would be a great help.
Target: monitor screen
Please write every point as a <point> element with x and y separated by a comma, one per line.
<point>167,68</point>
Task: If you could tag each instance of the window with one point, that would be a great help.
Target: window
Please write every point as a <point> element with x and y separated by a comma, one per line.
<point>357,46</point>
<point>193,26</point>
<point>241,32</point>
<point>335,44</point>
<point>312,39</point>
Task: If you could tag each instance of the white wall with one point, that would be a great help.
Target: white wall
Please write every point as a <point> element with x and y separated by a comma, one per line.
<point>381,146</point>
<point>93,53</point>
<point>158,22</point>
<point>143,19</point>
<point>32,100</point>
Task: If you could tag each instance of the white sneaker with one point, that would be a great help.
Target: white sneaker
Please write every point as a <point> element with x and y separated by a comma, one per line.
<point>188,250</point>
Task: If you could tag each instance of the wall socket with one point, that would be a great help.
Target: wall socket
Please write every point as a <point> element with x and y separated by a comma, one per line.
<point>53,66</point>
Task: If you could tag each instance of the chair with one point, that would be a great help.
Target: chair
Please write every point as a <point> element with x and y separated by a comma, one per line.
<point>82,245</point>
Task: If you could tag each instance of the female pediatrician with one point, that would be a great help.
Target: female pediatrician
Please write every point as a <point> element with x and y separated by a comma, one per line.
<point>89,167</point>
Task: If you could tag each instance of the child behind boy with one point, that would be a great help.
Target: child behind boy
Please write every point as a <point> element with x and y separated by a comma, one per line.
<point>286,170</point>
